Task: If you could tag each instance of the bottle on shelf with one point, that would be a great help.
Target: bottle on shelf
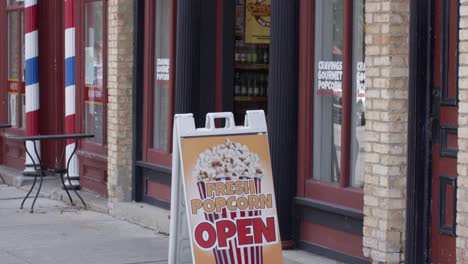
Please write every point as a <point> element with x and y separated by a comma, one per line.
<point>254,54</point>
<point>265,84</point>
<point>243,85</point>
<point>260,55</point>
<point>237,85</point>
<point>266,55</point>
<point>249,55</point>
<point>262,85</point>
<point>243,53</point>
<point>250,91</point>
<point>256,85</point>
<point>237,54</point>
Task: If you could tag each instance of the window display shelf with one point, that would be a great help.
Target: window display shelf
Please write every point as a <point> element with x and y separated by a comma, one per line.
<point>248,66</point>
<point>251,98</point>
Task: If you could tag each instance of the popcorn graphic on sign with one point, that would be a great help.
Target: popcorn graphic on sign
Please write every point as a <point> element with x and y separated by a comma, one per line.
<point>229,160</point>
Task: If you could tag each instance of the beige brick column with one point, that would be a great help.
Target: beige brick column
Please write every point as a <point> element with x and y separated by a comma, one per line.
<point>462,181</point>
<point>120,77</point>
<point>387,69</point>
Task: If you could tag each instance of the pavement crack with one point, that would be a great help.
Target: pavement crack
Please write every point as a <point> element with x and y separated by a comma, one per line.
<point>16,256</point>
<point>12,198</point>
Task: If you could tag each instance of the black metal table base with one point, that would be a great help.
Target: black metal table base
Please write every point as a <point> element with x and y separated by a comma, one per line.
<point>39,171</point>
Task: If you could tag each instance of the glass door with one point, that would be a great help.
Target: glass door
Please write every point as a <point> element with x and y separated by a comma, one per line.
<point>252,56</point>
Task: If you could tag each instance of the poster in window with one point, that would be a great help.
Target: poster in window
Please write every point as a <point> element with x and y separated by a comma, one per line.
<point>89,65</point>
<point>239,21</point>
<point>257,21</point>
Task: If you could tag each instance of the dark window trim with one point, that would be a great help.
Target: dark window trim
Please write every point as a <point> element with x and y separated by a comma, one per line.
<point>449,230</point>
<point>156,202</point>
<point>418,223</point>
<point>137,119</point>
<point>154,167</point>
<point>445,56</point>
<point>330,215</point>
<point>445,150</point>
<point>329,207</point>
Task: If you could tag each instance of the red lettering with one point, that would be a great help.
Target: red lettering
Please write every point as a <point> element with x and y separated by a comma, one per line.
<point>249,231</point>
<point>211,232</point>
<point>226,229</point>
<point>261,230</point>
<point>244,231</point>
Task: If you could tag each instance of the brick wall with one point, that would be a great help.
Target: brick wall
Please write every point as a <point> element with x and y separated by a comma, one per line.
<point>387,49</point>
<point>462,192</point>
<point>120,77</point>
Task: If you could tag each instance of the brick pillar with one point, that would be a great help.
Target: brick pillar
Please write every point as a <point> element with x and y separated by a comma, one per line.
<point>462,181</point>
<point>119,132</point>
<point>387,68</point>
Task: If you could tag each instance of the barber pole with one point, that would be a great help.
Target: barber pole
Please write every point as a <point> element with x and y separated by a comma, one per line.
<point>32,78</point>
<point>70,110</point>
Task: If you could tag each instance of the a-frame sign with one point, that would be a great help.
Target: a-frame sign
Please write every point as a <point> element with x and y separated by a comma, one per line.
<point>223,207</point>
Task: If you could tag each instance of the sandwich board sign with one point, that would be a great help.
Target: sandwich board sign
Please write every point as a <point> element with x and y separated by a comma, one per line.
<point>223,208</point>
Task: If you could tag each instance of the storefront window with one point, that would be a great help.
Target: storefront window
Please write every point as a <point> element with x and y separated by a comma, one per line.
<point>158,81</point>
<point>331,93</point>
<point>328,90</point>
<point>359,97</point>
<point>162,91</point>
<point>15,69</point>
<point>95,96</point>
<point>252,56</point>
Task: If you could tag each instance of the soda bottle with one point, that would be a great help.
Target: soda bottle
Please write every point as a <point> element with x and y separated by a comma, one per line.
<point>251,85</point>
<point>243,54</point>
<point>244,85</point>
<point>237,55</point>
<point>237,85</point>
<point>256,85</point>
<point>266,56</point>
<point>262,85</point>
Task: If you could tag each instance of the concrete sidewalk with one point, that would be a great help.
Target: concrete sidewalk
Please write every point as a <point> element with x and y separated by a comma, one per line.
<point>59,233</point>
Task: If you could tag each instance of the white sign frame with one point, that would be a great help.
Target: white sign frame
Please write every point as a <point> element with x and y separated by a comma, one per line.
<point>180,250</point>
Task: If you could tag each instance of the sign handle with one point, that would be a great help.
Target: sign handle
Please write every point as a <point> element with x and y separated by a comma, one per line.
<point>228,116</point>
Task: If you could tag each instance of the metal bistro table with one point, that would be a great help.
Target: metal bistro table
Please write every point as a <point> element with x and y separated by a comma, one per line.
<point>4,126</point>
<point>39,170</point>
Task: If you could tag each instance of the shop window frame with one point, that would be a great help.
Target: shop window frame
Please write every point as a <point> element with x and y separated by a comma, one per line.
<point>342,193</point>
<point>80,44</point>
<point>161,157</point>
<point>9,8</point>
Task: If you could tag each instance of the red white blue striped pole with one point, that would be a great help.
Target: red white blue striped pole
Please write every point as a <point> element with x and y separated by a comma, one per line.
<point>32,76</point>
<point>70,109</point>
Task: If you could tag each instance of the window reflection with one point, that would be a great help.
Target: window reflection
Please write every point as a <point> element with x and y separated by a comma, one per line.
<point>327,97</point>
<point>161,103</point>
<point>94,90</point>
<point>15,69</point>
<point>358,118</point>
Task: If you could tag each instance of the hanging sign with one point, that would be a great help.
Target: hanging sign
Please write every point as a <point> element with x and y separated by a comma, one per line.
<point>257,21</point>
<point>228,194</point>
